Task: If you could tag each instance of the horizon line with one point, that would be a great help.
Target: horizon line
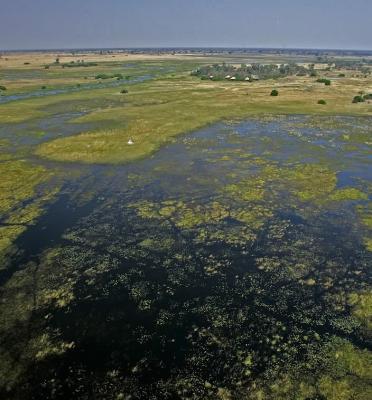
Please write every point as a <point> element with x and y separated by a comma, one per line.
<point>185,48</point>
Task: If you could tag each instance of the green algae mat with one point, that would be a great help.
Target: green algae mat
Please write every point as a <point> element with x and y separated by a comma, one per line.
<point>234,263</point>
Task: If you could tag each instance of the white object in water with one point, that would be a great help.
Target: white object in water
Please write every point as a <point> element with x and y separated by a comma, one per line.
<point>130,141</point>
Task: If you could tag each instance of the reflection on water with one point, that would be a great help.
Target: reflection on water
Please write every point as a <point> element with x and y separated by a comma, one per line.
<point>206,271</point>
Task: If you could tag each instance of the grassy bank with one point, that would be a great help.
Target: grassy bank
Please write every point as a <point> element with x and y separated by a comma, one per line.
<point>155,112</point>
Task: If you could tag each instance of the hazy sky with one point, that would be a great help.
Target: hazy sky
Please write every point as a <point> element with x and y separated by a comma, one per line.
<point>37,24</point>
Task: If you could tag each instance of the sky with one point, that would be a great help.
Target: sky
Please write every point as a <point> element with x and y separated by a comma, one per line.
<point>52,24</point>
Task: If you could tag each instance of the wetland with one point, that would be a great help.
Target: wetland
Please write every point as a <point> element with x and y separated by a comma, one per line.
<point>224,254</point>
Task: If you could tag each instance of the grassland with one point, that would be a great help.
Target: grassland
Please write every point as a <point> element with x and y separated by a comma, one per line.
<point>155,112</point>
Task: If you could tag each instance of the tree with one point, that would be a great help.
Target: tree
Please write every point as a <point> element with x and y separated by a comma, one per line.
<point>323,102</point>
<point>274,92</point>
<point>358,99</point>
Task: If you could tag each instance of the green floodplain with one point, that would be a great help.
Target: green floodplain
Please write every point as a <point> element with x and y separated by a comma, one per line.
<point>167,232</point>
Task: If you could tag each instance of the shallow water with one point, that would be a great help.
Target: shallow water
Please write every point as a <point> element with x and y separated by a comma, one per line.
<point>209,263</point>
<point>39,130</point>
<point>86,86</point>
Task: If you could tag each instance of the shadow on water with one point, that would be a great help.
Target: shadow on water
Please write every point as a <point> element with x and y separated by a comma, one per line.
<point>59,216</point>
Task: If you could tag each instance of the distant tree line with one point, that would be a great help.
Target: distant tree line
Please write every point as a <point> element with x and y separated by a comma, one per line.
<point>71,64</point>
<point>106,76</point>
<point>78,64</point>
<point>363,66</point>
<point>252,71</point>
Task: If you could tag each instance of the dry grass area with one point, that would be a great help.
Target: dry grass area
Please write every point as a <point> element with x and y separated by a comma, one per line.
<point>37,59</point>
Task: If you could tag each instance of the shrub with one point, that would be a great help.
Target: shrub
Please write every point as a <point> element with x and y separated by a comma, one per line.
<point>124,91</point>
<point>102,76</point>
<point>358,99</point>
<point>367,96</point>
<point>78,64</point>
<point>43,87</point>
<point>341,75</point>
<point>323,102</point>
<point>2,88</point>
<point>326,81</point>
<point>274,92</point>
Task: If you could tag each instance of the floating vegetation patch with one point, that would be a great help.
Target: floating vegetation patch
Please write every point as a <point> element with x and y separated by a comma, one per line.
<point>365,213</point>
<point>20,205</point>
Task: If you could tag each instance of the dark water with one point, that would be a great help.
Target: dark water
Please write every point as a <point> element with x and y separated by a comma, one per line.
<point>161,280</point>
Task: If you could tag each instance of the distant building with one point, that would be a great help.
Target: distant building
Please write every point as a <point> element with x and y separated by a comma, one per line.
<point>227,77</point>
<point>233,78</point>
